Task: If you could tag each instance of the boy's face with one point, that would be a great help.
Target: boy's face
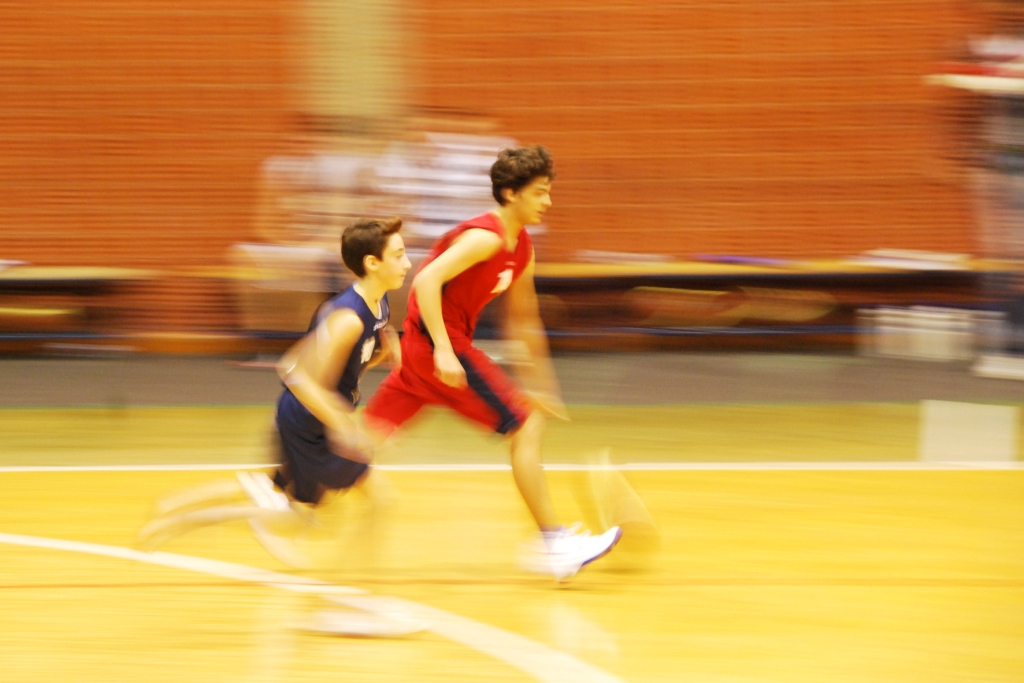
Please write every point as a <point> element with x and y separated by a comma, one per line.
<point>393,264</point>
<point>532,201</point>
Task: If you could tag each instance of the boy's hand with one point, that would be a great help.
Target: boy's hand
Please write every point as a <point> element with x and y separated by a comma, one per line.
<point>357,446</point>
<point>448,369</point>
<point>549,404</point>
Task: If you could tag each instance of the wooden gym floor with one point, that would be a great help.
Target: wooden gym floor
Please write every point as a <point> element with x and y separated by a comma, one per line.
<point>851,563</point>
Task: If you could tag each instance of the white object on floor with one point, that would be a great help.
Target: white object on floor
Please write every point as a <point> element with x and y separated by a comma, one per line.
<point>967,432</point>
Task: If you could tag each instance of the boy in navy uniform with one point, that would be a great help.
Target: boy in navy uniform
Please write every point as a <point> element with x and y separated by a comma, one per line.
<point>320,447</point>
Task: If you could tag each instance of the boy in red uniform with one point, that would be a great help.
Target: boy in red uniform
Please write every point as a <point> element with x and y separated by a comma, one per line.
<point>465,269</point>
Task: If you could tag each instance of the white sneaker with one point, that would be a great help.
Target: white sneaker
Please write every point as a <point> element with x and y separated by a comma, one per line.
<point>564,552</point>
<point>260,490</point>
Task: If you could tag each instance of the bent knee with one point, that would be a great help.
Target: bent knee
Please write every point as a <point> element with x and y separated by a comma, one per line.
<point>532,427</point>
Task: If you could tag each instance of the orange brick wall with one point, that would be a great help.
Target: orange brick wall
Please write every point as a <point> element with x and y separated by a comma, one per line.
<point>795,128</point>
<point>131,132</point>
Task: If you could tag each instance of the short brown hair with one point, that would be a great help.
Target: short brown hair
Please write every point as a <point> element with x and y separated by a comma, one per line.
<point>518,167</point>
<point>364,238</point>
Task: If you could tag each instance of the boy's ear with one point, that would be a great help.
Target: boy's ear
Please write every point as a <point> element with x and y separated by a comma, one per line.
<point>507,193</point>
<point>370,262</point>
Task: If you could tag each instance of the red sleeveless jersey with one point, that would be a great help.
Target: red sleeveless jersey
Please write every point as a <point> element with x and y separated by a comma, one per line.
<point>465,295</point>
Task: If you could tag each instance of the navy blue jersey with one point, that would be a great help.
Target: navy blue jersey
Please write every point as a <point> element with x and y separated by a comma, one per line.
<point>289,407</point>
<point>368,342</point>
<point>309,462</point>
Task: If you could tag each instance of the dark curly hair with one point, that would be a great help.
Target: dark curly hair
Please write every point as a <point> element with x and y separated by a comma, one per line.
<point>516,168</point>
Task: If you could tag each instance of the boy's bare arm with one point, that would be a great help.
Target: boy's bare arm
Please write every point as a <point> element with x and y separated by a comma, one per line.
<point>523,324</point>
<point>470,248</point>
<point>312,368</point>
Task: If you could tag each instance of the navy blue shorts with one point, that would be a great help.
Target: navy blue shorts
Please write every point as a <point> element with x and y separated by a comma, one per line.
<point>309,467</point>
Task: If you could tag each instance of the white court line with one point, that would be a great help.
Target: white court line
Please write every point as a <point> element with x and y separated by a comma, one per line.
<point>133,468</point>
<point>535,659</point>
<point>725,466</point>
<point>907,465</point>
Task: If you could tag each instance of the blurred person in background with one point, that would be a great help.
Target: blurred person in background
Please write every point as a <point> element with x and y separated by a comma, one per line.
<point>466,268</point>
<point>319,444</point>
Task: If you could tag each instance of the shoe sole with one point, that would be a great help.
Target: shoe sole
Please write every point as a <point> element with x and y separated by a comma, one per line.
<point>549,569</point>
<point>606,550</point>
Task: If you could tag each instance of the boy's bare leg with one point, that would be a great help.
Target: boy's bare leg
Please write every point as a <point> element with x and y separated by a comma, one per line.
<point>560,552</point>
<point>380,494</point>
<point>358,526</point>
<point>207,493</point>
<point>163,529</point>
<point>528,471</point>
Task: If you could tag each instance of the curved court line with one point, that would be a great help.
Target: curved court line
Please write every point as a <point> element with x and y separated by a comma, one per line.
<point>227,570</point>
<point>540,661</point>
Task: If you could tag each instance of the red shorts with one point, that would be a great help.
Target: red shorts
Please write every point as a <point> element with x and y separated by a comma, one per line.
<point>490,398</point>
